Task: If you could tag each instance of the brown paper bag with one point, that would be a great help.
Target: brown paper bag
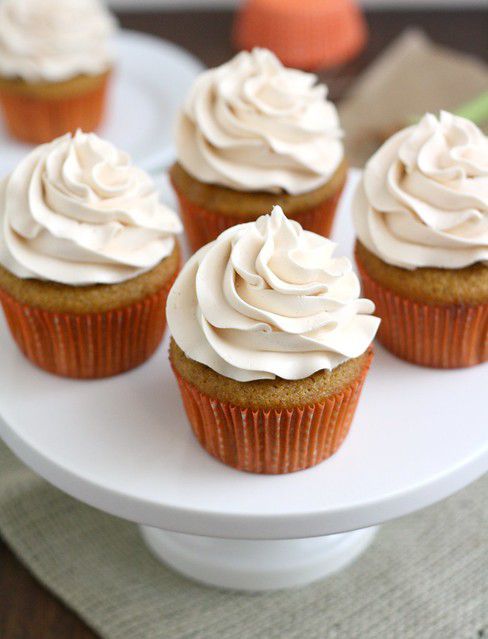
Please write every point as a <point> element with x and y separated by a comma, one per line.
<point>412,76</point>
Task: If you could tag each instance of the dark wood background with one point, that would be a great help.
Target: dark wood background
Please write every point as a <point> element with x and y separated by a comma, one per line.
<point>207,35</point>
<point>27,610</point>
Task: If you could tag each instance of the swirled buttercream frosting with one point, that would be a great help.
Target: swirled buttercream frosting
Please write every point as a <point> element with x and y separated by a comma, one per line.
<point>255,125</point>
<point>268,299</point>
<point>54,40</point>
<point>77,211</point>
<point>423,198</point>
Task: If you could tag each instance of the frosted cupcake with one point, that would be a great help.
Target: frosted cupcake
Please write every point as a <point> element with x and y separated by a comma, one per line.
<point>253,134</point>
<point>421,214</point>
<point>55,63</point>
<point>271,345</point>
<point>87,257</point>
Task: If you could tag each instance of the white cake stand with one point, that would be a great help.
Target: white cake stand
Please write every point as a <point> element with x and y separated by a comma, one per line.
<point>124,446</point>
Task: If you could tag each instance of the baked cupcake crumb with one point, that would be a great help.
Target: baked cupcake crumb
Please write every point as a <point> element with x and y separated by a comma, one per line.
<point>247,206</point>
<point>269,393</point>
<point>466,286</point>
<point>98,298</point>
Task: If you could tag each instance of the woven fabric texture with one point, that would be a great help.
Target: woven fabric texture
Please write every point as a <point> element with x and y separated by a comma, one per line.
<point>424,577</point>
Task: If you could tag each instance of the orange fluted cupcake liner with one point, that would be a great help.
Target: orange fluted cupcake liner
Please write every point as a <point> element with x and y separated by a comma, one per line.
<point>271,441</point>
<point>203,226</point>
<point>435,335</point>
<point>308,35</point>
<point>37,120</point>
<point>88,345</point>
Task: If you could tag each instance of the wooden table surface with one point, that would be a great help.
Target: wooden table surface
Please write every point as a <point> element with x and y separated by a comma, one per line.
<point>27,610</point>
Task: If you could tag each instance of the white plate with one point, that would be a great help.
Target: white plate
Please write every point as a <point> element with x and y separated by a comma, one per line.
<point>125,446</point>
<point>151,80</point>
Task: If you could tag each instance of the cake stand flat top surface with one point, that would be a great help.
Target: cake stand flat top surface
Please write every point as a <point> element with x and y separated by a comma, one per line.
<point>124,446</point>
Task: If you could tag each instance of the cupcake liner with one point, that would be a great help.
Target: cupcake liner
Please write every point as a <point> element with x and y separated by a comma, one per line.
<point>203,226</point>
<point>88,345</point>
<point>308,35</point>
<point>271,441</point>
<point>37,120</point>
<point>435,335</point>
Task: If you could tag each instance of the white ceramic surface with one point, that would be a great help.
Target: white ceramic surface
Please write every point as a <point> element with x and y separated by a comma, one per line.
<point>151,80</point>
<point>257,565</point>
<point>124,445</point>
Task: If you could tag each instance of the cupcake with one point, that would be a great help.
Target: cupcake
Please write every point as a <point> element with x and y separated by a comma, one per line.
<point>421,215</point>
<point>87,257</point>
<point>253,134</point>
<point>55,64</point>
<point>270,345</point>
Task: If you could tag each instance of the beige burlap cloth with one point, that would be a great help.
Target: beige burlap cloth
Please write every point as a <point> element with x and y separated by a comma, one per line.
<point>424,577</point>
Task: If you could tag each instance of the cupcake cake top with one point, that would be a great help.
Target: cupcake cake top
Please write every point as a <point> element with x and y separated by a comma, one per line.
<point>268,299</point>
<point>53,40</point>
<point>423,199</point>
<point>254,125</point>
<point>77,212</point>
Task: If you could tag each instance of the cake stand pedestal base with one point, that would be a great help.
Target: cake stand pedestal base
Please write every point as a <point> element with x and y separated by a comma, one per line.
<point>252,565</point>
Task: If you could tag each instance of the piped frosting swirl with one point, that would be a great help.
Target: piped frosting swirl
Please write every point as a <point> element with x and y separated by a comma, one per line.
<point>423,199</point>
<point>254,125</point>
<point>268,299</point>
<point>53,40</point>
<point>77,212</point>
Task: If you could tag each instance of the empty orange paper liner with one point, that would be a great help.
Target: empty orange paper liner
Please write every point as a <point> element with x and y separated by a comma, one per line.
<point>307,35</point>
